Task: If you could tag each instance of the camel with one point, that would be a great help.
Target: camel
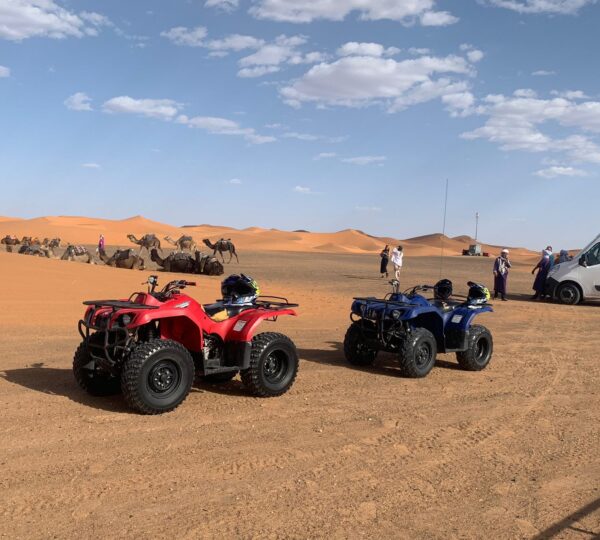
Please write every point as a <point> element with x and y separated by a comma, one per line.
<point>122,258</point>
<point>222,246</point>
<point>147,241</point>
<point>183,242</point>
<point>51,242</point>
<point>186,264</point>
<point>37,251</point>
<point>10,240</point>
<point>77,254</point>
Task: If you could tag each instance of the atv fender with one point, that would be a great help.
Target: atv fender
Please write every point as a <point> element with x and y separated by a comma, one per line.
<point>246,325</point>
<point>458,324</point>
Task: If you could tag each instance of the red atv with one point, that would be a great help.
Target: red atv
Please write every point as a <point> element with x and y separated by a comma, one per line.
<point>151,345</point>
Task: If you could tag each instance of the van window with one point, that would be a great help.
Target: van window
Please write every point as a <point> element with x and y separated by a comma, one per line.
<point>593,255</point>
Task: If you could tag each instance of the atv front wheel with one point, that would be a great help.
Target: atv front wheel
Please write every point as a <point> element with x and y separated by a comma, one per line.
<point>480,348</point>
<point>417,354</point>
<point>356,350</point>
<point>273,365</point>
<point>89,376</point>
<point>157,376</point>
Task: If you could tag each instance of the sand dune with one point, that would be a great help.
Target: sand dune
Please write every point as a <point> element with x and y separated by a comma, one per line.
<point>85,230</point>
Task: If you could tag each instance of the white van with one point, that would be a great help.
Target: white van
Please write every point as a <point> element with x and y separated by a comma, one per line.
<point>573,281</point>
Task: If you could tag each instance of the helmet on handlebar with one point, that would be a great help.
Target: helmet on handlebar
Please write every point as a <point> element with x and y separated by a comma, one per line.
<point>239,289</point>
<point>478,294</point>
<point>442,290</point>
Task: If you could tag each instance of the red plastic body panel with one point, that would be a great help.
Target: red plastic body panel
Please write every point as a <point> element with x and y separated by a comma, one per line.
<point>183,319</point>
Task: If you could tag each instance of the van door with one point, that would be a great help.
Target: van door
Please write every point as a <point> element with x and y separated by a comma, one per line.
<point>590,272</point>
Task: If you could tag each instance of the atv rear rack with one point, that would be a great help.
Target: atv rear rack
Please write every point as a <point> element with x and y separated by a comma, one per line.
<point>274,302</point>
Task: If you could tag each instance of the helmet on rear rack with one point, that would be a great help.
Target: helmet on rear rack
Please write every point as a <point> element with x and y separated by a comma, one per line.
<point>478,294</point>
<point>442,290</point>
<point>239,290</point>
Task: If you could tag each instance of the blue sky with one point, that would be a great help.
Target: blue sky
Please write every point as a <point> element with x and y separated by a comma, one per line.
<point>306,114</point>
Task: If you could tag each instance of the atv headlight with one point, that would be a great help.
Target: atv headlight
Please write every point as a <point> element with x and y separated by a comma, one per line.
<point>396,314</point>
<point>126,319</point>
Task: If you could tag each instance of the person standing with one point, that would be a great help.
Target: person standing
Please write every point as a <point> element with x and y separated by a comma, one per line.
<point>397,256</point>
<point>501,267</point>
<point>100,244</point>
<point>385,259</point>
<point>543,267</point>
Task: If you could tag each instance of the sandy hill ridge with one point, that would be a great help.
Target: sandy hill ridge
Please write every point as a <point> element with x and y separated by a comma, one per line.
<point>85,230</point>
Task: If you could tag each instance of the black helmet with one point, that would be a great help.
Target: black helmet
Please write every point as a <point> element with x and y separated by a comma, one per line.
<point>240,289</point>
<point>442,290</point>
<point>478,294</point>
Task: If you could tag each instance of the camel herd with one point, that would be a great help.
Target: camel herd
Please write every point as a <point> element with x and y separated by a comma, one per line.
<point>194,262</point>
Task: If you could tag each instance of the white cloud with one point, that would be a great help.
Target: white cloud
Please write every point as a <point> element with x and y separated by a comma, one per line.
<point>543,73</point>
<point>225,5</point>
<point>325,155</point>
<point>561,7</point>
<point>235,42</point>
<point>91,166</point>
<point>311,137</point>
<point>78,102</point>
<point>407,12</point>
<point>191,37</point>
<point>364,160</point>
<point>555,171</point>
<point>23,19</point>
<point>459,104</point>
<point>438,18</point>
<point>4,72</point>
<point>163,109</point>
<point>515,122</point>
<point>418,51</point>
<point>235,181</point>
<point>570,94</point>
<point>355,81</point>
<point>353,48</point>
<point>270,56</point>
<point>304,190</point>
<point>224,126</point>
<point>257,71</point>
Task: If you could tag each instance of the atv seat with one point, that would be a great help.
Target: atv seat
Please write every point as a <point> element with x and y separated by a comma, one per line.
<point>219,312</point>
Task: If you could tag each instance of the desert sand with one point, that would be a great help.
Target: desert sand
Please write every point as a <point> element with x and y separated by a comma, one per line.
<point>82,230</point>
<point>510,452</point>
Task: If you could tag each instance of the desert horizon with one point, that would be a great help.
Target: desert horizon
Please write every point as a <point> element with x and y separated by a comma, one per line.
<point>86,230</point>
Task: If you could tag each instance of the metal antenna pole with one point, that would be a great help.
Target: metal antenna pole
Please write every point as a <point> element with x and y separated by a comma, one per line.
<point>444,230</point>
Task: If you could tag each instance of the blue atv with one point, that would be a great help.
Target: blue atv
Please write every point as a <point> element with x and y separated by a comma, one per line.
<point>416,328</point>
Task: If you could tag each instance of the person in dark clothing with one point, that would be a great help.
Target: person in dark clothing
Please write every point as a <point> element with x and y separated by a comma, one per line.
<point>385,259</point>
<point>543,267</point>
<point>501,267</point>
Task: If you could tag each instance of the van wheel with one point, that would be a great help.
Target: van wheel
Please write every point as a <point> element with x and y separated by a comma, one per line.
<point>569,294</point>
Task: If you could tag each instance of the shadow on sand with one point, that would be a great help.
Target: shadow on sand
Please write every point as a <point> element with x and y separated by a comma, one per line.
<point>385,364</point>
<point>60,382</point>
<point>569,523</point>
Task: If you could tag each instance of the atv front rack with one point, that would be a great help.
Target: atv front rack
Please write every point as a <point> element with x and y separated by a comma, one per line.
<point>117,304</point>
<point>115,339</point>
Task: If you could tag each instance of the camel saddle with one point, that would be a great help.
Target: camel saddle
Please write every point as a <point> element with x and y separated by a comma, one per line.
<point>79,250</point>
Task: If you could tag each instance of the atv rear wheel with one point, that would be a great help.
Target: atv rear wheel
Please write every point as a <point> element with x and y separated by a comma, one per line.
<point>273,365</point>
<point>219,378</point>
<point>356,350</point>
<point>157,376</point>
<point>89,376</point>
<point>418,352</point>
<point>480,348</point>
